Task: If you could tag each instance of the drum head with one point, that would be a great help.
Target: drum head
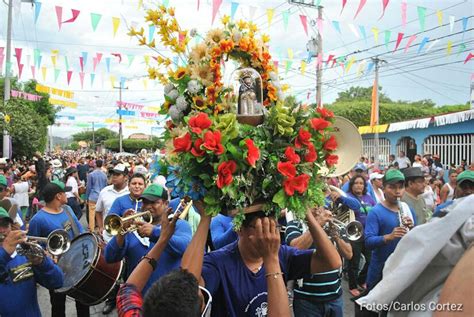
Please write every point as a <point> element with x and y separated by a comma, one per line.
<point>77,261</point>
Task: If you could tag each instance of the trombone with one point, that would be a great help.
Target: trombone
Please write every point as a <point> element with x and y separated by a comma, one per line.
<point>115,225</point>
<point>57,243</point>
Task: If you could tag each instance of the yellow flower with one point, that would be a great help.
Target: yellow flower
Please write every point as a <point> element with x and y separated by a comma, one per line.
<point>225,19</point>
<point>171,11</point>
<point>199,103</point>
<point>202,72</point>
<point>241,24</point>
<point>215,35</point>
<point>152,73</point>
<point>253,27</point>
<point>265,38</point>
<point>152,43</point>
<point>180,73</point>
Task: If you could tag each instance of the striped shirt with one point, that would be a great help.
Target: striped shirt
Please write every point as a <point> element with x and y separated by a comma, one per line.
<point>319,287</point>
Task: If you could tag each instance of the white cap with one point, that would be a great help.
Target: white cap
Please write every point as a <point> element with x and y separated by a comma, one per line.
<point>3,160</point>
<point>375,176</point>
<point>120,168</point>
<point>56,163</point>
<point>140,169</point>
<point>160,180</point>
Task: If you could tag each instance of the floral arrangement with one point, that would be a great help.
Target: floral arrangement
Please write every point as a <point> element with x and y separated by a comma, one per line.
<point>214,157</point>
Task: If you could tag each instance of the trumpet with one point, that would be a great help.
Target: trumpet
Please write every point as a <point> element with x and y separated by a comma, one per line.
<point>57,243</point>
<point>115,225</point>
<point>184,206</point>
<point>352,230</point>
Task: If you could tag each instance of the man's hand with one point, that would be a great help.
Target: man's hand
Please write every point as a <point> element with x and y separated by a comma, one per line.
<point>334,196</point>
<point>266,238</point>
<point>167,227</point>
<point>145,229</point>
<point>14,238</point>
<point>397,232</point>
<point>201,208</point>
<point>36,260</point>
<point>408,222</point>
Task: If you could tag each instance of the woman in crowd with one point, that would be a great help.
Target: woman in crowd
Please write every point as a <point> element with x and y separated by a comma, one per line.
<point>73,198</point>
<point>358,190</point>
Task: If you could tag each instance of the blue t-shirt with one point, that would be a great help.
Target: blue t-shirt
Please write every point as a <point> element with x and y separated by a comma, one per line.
<point>236,290</point>
<point>123,203</point>
<point>96,181</point>
<point>368,185</point>
<point>133,250</point>
<point>442,206</point>
<point>380,221</point>
<point>222,232</point>
<point>43,223</point>
<point>18,296</point>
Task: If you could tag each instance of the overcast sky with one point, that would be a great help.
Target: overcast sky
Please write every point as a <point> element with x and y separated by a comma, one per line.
<point>431,74</point>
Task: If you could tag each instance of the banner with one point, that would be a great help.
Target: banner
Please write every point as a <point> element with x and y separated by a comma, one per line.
<point>25,95</point>
<point>63,103</point>
<point>54,91</point>
<point>129,106</point>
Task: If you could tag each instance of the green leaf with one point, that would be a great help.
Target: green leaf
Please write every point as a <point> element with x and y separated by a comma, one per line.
<point>280,198</point>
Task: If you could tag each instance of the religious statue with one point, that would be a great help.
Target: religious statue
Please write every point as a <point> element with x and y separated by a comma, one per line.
<point>248,99</point>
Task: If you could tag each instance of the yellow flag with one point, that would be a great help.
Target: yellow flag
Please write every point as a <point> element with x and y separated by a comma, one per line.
<point>290,53</point>
<point>147,59</point>
<point>115,24</point>
<point>376,35</point>
<point>303,67</point>
<point>112,80</point>
<point>270,13</point>
<point>349,65</point>
<point>54,52</point>
<point>450,47</point>
<point>53,60</point>
<point>140,4</point>
<point>43,71</point>
<point>439,14</point>
<point>145,84</point>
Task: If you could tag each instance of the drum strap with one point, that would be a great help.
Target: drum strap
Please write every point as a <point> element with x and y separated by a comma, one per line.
<point>74,227</point>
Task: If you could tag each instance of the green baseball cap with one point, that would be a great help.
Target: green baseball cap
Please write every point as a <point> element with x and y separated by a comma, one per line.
<point>4,215</point>
<point>61,185</point>
<point>393,176</point>
<point>3,181</point>
<point>154,192</point>
<point>465,176</point>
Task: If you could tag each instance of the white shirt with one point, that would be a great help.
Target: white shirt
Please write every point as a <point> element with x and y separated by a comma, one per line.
<point>430,197</point>
<point>106,198</point>
<point>402,162</point>
<point>71,181</point>
<point>21,194</point>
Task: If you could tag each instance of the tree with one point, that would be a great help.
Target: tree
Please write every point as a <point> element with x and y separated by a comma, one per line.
<point>100,135</point>
<point>129,145</point>
<point>361,94</point>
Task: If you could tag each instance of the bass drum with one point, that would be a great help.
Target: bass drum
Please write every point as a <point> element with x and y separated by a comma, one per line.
<point>88,278</point>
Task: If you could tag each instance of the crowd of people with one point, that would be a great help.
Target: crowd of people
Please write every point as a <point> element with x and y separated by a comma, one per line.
<point>184,263</point>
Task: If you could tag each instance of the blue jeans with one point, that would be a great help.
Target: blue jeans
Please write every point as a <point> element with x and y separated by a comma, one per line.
<point>305,308</point>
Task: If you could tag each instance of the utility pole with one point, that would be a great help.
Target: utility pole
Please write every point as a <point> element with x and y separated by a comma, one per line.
<point>93,135</point>
<point>120,116</point>
<point>319,71</point>
<point>376,61</point>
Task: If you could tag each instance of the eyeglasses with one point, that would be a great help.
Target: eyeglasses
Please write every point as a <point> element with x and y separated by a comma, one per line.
<point>206,312</point>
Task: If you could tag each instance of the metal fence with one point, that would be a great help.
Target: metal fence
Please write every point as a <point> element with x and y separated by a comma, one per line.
<point>451,148</point>
<point>368,149</point>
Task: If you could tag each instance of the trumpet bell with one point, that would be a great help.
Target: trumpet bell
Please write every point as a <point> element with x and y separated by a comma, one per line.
<point>113,224</point>
<point>58,242</point>
<point>354,230</point>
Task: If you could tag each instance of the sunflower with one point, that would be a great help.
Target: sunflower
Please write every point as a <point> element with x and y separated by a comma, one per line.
<point>199,103</point>
<point>202,73</point>
<point>215,36</point>
<point>180,73</point>
<point>198,53</point>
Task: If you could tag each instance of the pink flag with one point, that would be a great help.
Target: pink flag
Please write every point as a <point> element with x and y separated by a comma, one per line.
<point>75,14</point>
<point>215,8</point>
<point>99,57</point>
<point>275,63</point>
<point>1,50</point>
<point>59,15</point>
<point>468,58</point>
<point>404,14</point>
<point>320,60</point>
<point>81,62</point>
<point>20,70</point>
<point>361,5</point>
<point>303,19</point>
<point>1,60</point>
<point>410,40</point>
<point>69,75</point>
<point>33,72</point>
<point>384,6</point>
<point>118,55</point>
<point>18,56</point>
<point>330,58</point>
<point>343,5</point>
<point>199,2</point>
<point>81,77</point>
<point>399,39</point>
<point>94,62</point>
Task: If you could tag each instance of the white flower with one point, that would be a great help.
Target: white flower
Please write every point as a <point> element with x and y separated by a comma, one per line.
<point>236,35</point>
<point>174,113</point>
<point>181,103</point>
<point>193,32</point>
<point>273,76</point>
<point>173,94</point>
<point>168,88</point>
<point>194,87</point>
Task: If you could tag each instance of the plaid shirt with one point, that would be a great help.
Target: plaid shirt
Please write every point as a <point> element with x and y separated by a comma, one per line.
<point>129,301</point>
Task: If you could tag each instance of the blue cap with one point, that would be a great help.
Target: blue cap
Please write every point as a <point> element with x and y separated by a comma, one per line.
<point>360,166</point>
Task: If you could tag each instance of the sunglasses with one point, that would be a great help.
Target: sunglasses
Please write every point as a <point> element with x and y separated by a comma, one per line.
<point>206,312</point>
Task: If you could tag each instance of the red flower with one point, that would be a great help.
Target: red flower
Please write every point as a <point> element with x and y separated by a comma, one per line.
<point>303,138</point>
<point>330,144</point>
<point>331,159</point>
<point>319,123</point>
<point>291,155</point>
<point>224,173</point>
<point>311,155</point>
<point>182,144</point>
<point>196,150</point>
<point>286,169</point>
<point>212,142</point>
<point>253,153</point>
<point>298,183</point>
<point>170,125</point>
<point>199,122</point>
<point>325,113</point>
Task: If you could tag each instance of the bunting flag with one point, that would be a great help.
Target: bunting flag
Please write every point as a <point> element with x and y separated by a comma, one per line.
<point>451,23</point>
<point>362,31</point>
<point>304,21</point>
<point>449,48</point>
<point>140,4</point>
<point>432,45</point>
<point>59,15</point>
<point>33,70</point>
<point>146,58</point>
<point>92,78</point>
<point>468,58</point>
<point>349,64</point>
<point>75,14</point>
<point>115,24</point>
<point>270,13</point>
<point>118,55</point>
<point>81,78</point>
<point>215,8</point>
<point>384,7</point>
<point>288,66</point>
<point>336,26</point>
<point>439,14</point>
<point>461,49</point>
<point>145,84</point>
<point>370,67</point>
<point>404,14</point>
<point>464,26</point>
<point>69,75</point>
<point>388,33</point>
<point>43,72</point>
<point>399,39</point>
<point>81,63</point>
<point>303,67</point>
<point>112,80</point>
<point>410,40</point>
<point>233,9</point>
<point>344,2</point>
<point>94,63</point>
<point>166,3</point>
<point>37,10</point>
<point>330,58</point>
<point>290,53</point>
<point>151,32</point>
<point>285,15</point>
<point>376,35</point>
<point>66,62</point>
<point>361,68</point>
<point>422,44</point>
<point>56,74</point>
<point>107,63</point>
<point>99,57</point>
<point>95,19</point>
<point>361,5</point>
<point>354,30</point>
<point>54,60</point>
<point>421,17</point>
<point>20,70</point>
<point>130,58</point>
<point>18,52</point>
